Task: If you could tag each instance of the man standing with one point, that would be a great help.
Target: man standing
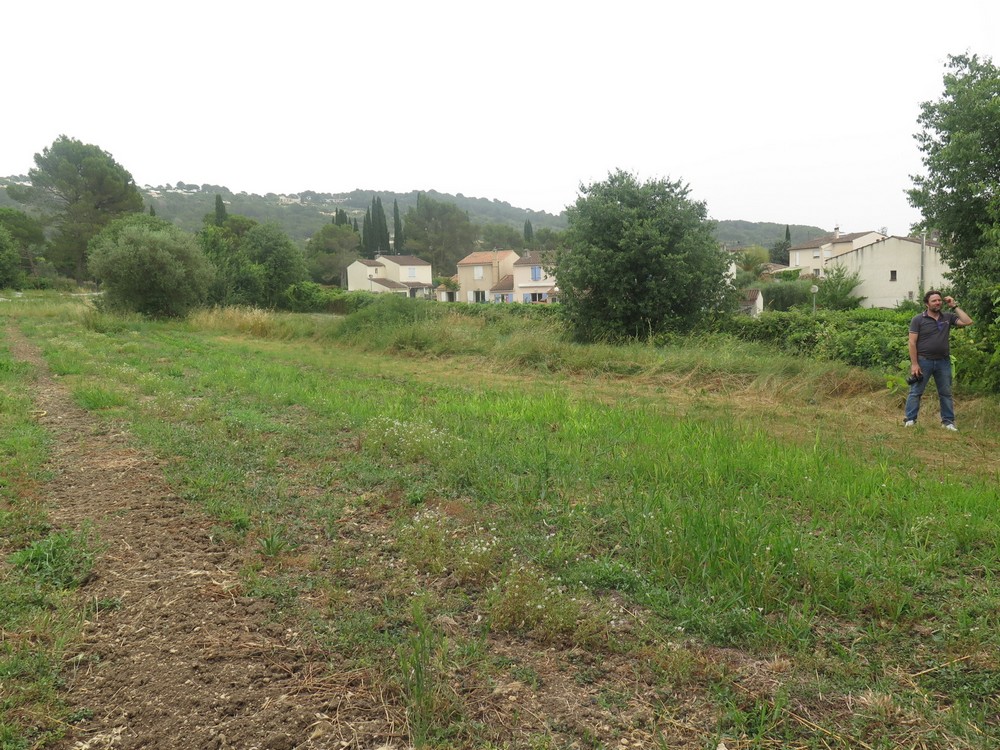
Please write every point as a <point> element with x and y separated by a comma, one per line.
<point>930,355</point>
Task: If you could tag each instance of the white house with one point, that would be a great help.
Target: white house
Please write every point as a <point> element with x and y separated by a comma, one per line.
<point>893,269</point>
<point>395,274</point>
<point>812,256</point>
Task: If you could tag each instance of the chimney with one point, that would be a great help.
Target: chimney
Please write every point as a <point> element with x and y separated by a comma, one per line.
<point>836,232</point>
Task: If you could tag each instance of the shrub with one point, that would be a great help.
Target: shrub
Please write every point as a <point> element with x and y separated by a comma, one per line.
<point>148,266</point>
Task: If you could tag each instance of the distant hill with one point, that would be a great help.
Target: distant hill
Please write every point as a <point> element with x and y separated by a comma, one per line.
<point>301,215</point>
<point>738,233</point>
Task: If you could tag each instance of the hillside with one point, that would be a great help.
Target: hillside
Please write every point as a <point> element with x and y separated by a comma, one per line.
<point>301,215</point>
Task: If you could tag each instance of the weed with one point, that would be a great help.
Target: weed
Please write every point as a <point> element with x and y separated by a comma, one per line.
<point>62,559</point>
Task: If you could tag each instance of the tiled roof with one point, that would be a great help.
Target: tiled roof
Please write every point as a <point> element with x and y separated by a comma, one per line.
<point>829,239</point>
<point>389,283</point>
<point>533,258</point>
<point>417,284</point>
<point>483,257</point>
<point>370,263</point>
<point>404,260</point>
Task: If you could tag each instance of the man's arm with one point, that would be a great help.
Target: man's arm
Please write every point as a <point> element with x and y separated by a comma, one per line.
<point>963,317</point>
<point>914,363</point>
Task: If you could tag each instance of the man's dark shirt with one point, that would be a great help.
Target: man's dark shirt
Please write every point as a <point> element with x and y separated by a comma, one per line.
<point>932,335</point>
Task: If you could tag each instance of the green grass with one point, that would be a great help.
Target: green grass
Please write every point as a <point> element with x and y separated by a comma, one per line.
<point>38,569</point>
<point>615,500</point>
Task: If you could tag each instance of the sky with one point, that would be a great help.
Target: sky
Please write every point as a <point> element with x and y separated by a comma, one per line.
<point>788,112</point>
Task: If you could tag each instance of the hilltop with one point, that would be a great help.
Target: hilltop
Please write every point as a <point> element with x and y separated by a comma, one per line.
<point>301,215</point>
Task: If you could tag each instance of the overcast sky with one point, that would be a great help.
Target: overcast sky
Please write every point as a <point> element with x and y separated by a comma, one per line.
<point>790,112</point>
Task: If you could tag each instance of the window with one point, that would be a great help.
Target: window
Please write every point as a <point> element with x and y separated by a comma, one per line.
<point>536,273</point>
<point>477,273</point>
<point>909,296</point>
<point>479,295</point>
<point>411,272</point>
<point>816,253</point>
<point>892,275</point>
<point>816,272</point>
<point>537,297</point>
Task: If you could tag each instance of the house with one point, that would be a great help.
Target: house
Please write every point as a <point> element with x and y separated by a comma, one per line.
<point>396,274</point>
<point>531,283</point>
<point>481,272</point>
<point>893,269</point>
<point>752,302</point>
<point>448,290</point>
<point>812,256</point>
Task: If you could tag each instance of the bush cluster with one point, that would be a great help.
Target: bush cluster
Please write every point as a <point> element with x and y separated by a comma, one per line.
<point>870,338</point>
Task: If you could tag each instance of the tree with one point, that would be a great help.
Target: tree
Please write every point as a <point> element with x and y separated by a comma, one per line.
<point>529,233</point>
<point>375,232</point>
<point>836,289</point>
<point>79,189</point>
<point>330,251</point>
<point>501,237</point>
<point>27,234</point>
<point>283,262</point>
<point>959,196</point>
<point>10,261</point>
<point>641,259</point>
<point>149,266</point>
<point>779,250</point>
<point>255,262</point>
<point>220,211</point>
<point>439,232</point>
<point>750,266</point>
<point>398,238</point>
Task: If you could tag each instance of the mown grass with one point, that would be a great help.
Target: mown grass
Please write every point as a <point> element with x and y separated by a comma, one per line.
<point>40,567</point>
<point>619,500</point>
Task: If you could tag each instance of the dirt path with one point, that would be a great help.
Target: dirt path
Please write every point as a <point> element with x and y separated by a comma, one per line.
<point>173,656</point>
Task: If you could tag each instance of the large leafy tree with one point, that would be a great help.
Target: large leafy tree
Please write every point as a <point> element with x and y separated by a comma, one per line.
<point>959,195</point>
<point>10,261</point>
<point>78,189</point>
<point>330,251</point>
<point>255,262</point>
<point>439,232</point>
<point>501,237</point>
<point>641,259</point>
<point>27,233</point>
<point>149,266</point>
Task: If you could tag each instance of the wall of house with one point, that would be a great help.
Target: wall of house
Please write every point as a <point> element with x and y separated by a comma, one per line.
<point>524,285</point>
<point>358,273</point>
<point>401,273</point>
<point>875,264</point>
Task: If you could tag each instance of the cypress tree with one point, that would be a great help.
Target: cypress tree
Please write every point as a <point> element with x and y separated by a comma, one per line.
<point>529,232</point>
<point>220,211</point>
<point>399,241</point>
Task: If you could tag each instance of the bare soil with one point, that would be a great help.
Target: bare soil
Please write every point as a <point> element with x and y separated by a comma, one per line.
<point>175,656</point>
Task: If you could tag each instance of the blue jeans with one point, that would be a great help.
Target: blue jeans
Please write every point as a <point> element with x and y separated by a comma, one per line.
<point>940,369</point>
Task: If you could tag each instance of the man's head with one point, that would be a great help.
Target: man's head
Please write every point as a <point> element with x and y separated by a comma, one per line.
<point>932,300</point>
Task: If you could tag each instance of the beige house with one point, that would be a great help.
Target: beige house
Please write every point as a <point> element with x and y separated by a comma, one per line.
<point>394,274</point>
<point>893,269</point>
<point>811,257</point>
<point>531,282</point>
<point>480,273</point>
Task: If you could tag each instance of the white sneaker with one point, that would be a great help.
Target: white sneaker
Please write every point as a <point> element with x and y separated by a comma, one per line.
<point>950,426</point>
<point>909,423</point>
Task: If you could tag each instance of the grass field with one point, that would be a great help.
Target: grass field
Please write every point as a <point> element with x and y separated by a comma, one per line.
<point>753,532</point>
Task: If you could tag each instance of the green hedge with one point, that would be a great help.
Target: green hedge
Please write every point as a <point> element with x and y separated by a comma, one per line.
<point>869,338</point>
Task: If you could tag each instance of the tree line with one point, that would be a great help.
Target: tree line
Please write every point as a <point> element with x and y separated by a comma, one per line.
<point>638,258</point>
